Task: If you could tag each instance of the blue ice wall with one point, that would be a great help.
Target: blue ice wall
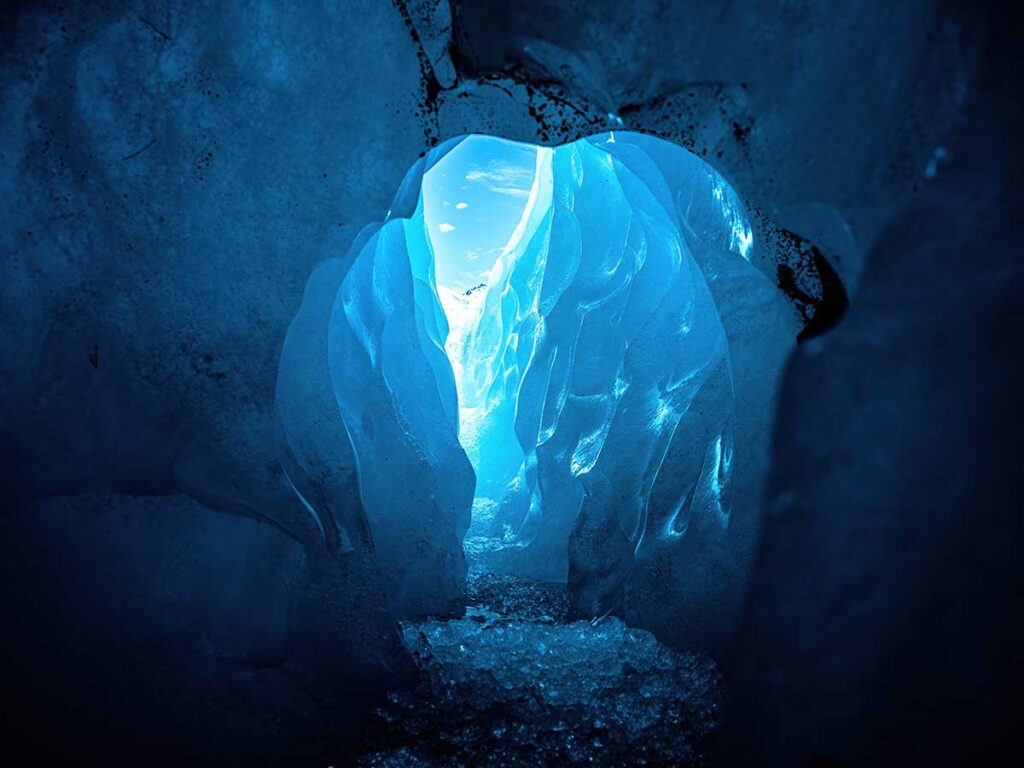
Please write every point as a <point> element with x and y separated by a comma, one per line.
<point>587,414</point>
<point>397,399</point>
<point>612,328</point>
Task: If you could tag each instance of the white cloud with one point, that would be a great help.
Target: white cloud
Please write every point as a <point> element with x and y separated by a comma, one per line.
<point>460,206</point>
<point>446,227</point>
<point>502,178</point>
<point>489,253</point>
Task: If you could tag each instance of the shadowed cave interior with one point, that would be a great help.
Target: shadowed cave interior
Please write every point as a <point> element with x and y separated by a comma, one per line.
<point>716,463</point>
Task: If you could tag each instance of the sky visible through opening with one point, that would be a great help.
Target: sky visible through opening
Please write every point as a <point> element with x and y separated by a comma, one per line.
<point>476,202</point>
<point>473,200</point>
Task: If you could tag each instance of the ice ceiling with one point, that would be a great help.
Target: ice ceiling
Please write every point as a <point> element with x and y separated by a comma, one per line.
<point>531,340</point>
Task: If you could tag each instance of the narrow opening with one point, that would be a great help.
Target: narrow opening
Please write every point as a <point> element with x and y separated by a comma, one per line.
<point>477,204</point>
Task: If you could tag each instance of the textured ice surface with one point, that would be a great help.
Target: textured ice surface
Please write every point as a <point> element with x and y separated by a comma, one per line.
<point>513,684</point>
<point>687,590</point>
<point>595,334</point>
<point>578,400</point>
<point>397,399</point>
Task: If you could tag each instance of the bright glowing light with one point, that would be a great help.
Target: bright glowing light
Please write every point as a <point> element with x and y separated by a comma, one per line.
<point>548,265</point>
<point>496,184</point>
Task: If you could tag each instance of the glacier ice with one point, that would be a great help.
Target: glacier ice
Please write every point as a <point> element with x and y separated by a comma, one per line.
<point>529,350</point>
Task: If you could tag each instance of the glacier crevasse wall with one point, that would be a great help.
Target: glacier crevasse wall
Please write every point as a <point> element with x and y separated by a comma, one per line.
<point>602,354</point>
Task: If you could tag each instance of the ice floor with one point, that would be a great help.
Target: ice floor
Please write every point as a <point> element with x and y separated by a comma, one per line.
<point>514,682</point>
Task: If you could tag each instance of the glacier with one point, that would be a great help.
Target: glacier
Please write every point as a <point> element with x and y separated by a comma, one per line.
<point>532,358</point>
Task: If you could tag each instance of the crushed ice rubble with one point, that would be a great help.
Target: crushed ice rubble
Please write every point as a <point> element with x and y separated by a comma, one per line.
<point>514,683</point>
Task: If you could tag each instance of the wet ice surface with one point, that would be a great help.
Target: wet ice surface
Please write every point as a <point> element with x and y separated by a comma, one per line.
<point>515,683</point>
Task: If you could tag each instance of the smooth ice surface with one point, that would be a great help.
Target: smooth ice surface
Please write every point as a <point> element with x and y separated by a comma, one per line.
<point>559,364</point>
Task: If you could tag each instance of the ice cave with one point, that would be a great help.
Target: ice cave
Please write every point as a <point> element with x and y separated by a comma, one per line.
<point>404,383</point>
<point>531,356</point>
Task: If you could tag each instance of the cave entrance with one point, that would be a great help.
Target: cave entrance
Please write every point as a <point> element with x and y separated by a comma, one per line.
<point>531,360</point>
<point>478,201</point>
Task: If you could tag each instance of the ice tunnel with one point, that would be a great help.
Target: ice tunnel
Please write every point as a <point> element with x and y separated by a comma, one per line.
<point>531,359</point>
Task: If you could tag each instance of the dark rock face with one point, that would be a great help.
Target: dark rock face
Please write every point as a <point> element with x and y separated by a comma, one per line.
<point>883,623</point>
<point>127,619</point>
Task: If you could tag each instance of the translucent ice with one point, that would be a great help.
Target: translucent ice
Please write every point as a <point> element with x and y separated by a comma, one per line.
<point>533,334</point>
<point>594,335</point>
